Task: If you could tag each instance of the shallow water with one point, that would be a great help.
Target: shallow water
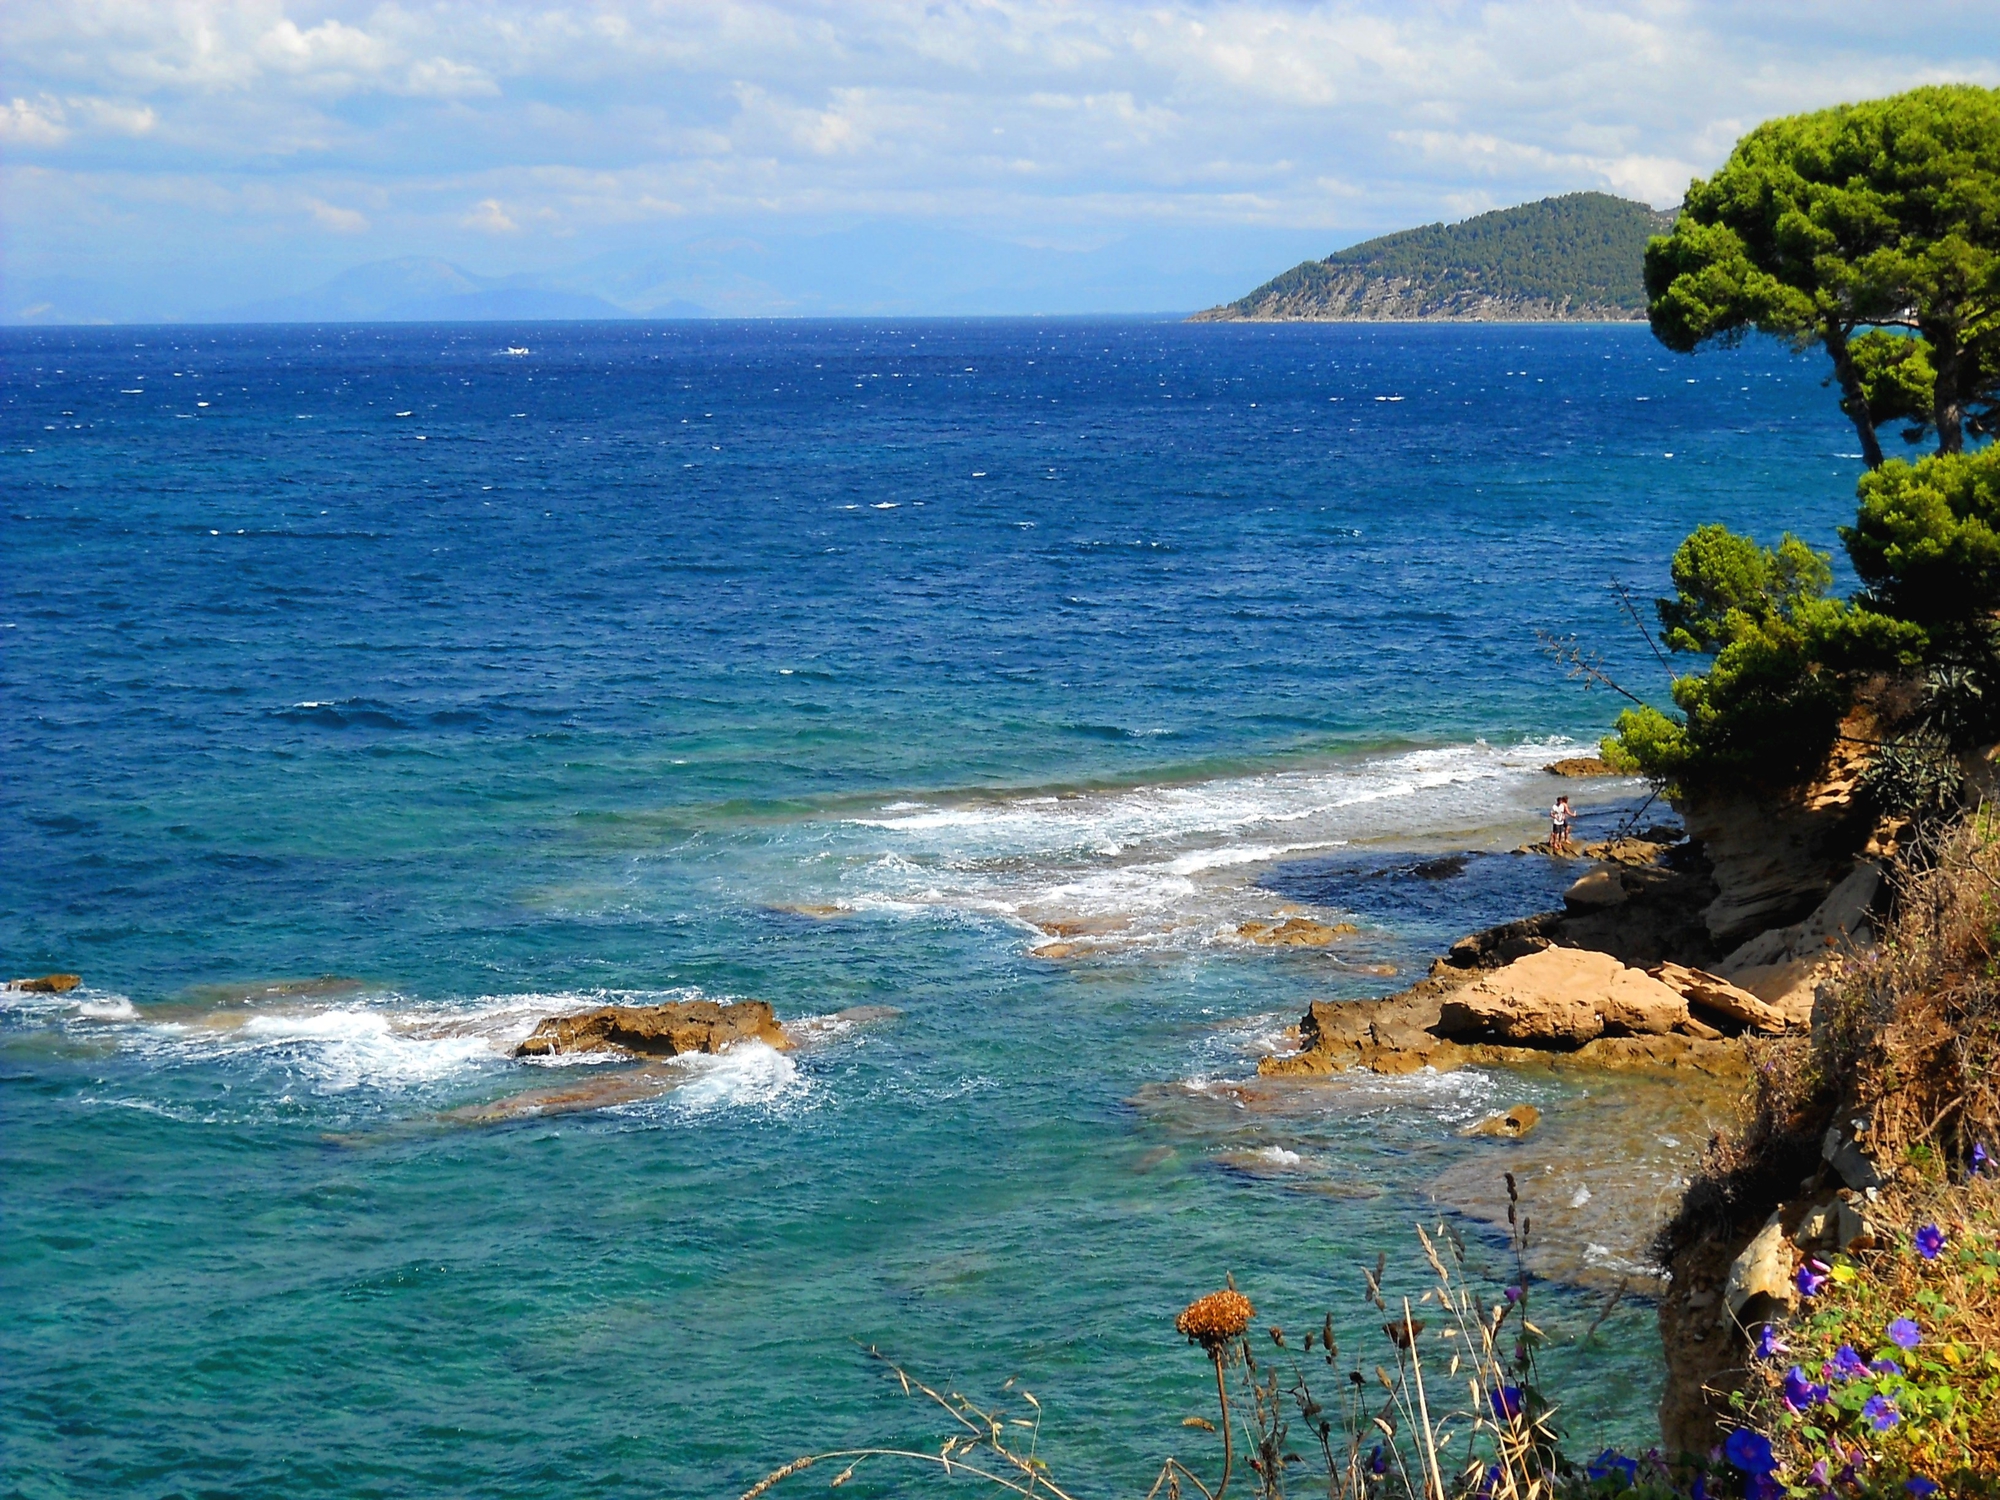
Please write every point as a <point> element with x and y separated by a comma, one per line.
<point>837,665</point>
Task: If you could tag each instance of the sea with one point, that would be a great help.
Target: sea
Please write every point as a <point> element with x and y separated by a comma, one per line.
<point>372,692</point>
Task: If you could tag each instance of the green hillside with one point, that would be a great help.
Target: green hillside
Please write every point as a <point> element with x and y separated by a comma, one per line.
<point>1575,257</point>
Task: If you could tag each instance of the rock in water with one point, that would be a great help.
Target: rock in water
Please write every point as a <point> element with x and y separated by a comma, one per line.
<point>657,1030</point>
<point>1579,765</point>
<point>48,984</point>
<point>1510,1125</point>
<point>1295,932</point>
<point>1562,997</point>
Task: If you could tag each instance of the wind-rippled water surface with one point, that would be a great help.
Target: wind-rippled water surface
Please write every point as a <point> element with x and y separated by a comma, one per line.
<point>373,692</point>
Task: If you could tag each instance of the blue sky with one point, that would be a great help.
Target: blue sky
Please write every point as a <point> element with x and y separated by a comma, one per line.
<point>163,158</point>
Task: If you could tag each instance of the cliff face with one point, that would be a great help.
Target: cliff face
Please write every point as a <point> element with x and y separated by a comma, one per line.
<point>1360,297</point>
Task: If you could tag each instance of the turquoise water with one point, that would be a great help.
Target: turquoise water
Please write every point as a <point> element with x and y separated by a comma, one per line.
<point>373,692</point>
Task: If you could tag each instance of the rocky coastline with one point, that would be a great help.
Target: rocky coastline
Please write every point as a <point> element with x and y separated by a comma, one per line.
<point>1676,952</point>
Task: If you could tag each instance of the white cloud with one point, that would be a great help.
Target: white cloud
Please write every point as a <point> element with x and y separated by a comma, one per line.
<point>1055,118</point>
<point>339,220</point>
<point>33,123</point>
<point>489,217</point>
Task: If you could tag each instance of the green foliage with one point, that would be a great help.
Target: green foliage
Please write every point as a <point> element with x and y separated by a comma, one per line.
<point>1896,379</point>
<point>1824,226</point>
<point>1927,538</point>
<point>1582,248</point>
<point>1785,661</point>
<point>1726,584</point>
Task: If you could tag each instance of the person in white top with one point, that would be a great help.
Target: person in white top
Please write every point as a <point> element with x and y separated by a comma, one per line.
<point>1560,818</point>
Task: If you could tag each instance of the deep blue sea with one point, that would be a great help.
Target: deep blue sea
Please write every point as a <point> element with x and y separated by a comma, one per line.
<point>371,692</point>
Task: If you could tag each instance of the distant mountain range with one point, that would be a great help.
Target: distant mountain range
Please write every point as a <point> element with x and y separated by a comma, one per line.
<point>1577,258</point>
<point>415,289</point>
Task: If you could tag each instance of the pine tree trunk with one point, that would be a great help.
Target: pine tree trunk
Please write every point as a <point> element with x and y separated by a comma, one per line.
<point>1853,399</point>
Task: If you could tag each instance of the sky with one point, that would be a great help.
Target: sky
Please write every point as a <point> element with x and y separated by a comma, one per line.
<point>173,158</point>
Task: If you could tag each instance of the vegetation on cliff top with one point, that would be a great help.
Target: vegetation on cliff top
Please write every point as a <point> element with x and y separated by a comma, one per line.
<point>1580,253</point>
<point>1873,232</point>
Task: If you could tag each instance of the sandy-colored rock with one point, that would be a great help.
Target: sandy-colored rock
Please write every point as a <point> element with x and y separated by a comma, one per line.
<point>1509,1124</point>
<point>1775,859</point>
<point>1295,932</point>
<point>47,984</point>
<point>657,1030</point>
<point>1760,1278</point>
<point>1561,997</point>
<point>1711,992</point>
<point>1599,888</point>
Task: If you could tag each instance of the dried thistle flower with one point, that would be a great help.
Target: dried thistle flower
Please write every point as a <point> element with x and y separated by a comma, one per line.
<point>1213,1320</point>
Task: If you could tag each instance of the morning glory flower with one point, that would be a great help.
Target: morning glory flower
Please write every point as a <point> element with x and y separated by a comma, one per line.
<point>1845,1364</point>
<point>1904,1334</point>
<point>1930,1240</point>
<point>1979,1159</point>
<point>1750,1451</point>
<point>1800,1392</point>
<point>1919,1486</point>
<point>1506,1402</point>
<point>1812,1276</point>
<point>1769,1345</point>
<point>1885,1367</point>
<point>1610,1462</point>
<point>1881,1413</point>
<point>1818,1475</point>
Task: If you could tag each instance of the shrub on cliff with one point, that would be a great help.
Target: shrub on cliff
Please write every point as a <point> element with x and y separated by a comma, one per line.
<point>1785,662</point>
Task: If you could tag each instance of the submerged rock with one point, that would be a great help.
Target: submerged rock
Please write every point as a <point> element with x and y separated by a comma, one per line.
<point>1295,932</point>
<point>657,1030</point>
<point>47,984</point>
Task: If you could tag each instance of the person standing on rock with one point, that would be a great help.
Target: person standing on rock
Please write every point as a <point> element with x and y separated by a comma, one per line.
<point>1560,818</point>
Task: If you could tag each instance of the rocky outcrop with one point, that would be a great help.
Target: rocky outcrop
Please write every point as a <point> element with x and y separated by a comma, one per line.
<point>1554,1006</point>
<point>1580,765</point>
<point>1562,998</point>
<point>1711,992</point>
<point>1774,857</point>
<point>47,984</point>
<point>657,1030</point>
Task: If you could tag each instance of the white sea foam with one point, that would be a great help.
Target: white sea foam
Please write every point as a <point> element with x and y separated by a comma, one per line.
<point>749,1075</point>
<point>1174,864</point>
<point>348,1047</point>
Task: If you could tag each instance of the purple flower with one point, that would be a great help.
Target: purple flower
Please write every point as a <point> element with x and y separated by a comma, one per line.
<point>1769,1345</point>
<point>1506,1402</point>
<point>1512,1294</point>
<point>1801,1393</point>
<point>1919,1486</point>
<point>1905,1334</point>
<point>1749,1451</point>
<point>1811,1277</point>
<point>1377,1464</point>
<point>1979,1159</point>
<point>1884,1367</point>
<point>1845,1365</point>
<point>1699,1491</point>
<point>1610,1462</point>
<point>1818,1474</point>
<point>1881,1413</point>
<point>1930,1240</point>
